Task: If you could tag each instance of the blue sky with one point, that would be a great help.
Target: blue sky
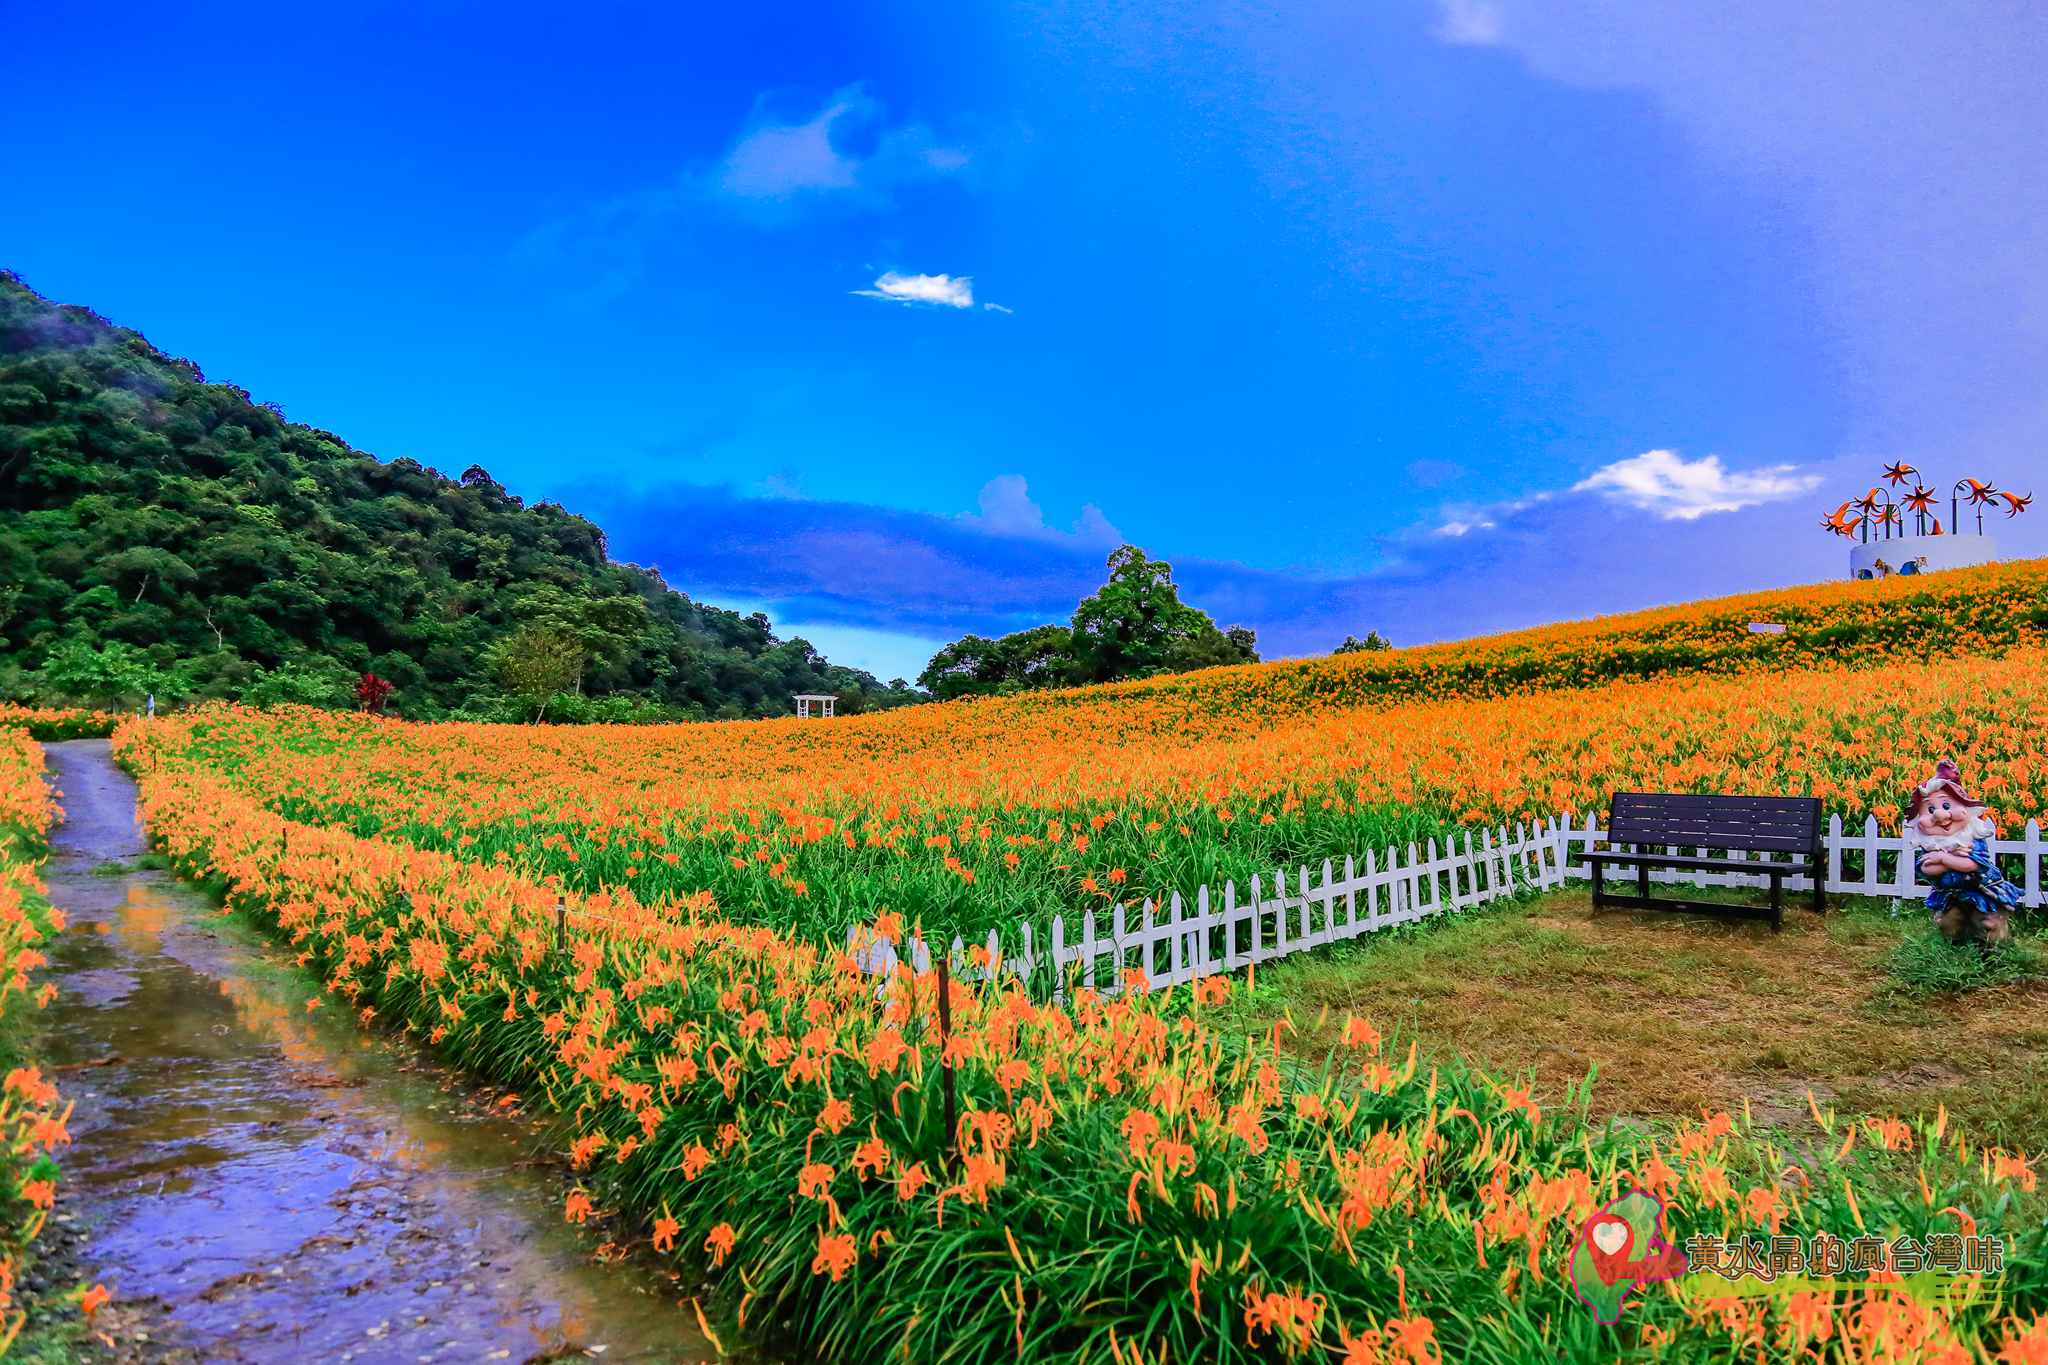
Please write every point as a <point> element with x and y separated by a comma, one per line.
<point>1432,318</point>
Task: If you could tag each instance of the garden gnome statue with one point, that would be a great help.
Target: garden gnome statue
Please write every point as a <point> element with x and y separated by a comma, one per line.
<point>1948,830</point>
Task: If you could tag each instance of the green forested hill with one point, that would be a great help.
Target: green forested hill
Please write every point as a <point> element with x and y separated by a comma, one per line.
<point>162,533</point>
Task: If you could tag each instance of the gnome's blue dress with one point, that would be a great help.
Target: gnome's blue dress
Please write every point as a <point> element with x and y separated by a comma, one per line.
<point>1986,891</point>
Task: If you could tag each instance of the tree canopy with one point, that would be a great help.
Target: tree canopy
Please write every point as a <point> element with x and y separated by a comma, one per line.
<point>160,533</point>
<point>1133,626</point>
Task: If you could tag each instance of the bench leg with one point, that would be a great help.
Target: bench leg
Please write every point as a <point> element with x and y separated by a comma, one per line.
<point>1599,885</point>
<point>1643,879</point>
<point>1777,901</point>
<point>1820,890</point>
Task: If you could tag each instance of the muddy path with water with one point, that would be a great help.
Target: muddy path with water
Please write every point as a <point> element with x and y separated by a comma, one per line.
<point>255,1182</point>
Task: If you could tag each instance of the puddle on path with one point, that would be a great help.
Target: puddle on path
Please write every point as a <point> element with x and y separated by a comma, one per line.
<point>257,1183</point>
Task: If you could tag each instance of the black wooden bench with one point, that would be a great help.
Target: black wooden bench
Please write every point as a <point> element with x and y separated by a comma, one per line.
<point>1651,822</point>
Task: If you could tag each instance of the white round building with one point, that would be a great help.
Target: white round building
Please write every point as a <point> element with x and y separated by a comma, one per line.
<point>1910,554</point>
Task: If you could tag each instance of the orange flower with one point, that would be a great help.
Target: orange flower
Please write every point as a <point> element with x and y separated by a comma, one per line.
<point>1516,1101</point>
<point>836,1253</point>
<point>2015,1166</point>
<point>1415,1339</point>
<point>1764,1207</point>
<point>1811,1317</point>
<point>1289,1317</point>
<point>836,1114</point>
<point>2025,1345</point>
<point>869,1157</point>
<point>1139,1129</point>
<point>909,1180</point>
<point>719,1243</point>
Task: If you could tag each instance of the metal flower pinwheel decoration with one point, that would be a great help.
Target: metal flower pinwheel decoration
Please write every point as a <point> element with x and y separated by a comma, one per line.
<point>1875,515</point>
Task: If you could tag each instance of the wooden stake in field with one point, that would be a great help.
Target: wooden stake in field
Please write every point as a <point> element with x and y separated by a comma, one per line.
<point>946,1062</point>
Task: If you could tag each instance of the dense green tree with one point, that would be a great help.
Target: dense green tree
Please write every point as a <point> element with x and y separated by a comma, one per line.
<point>537,662</point>
<point>1039,657</point>
<point>307,684</point>
<point>111,674</point>
<point>968,665</point>
<point>1134,626</point>
<point>159,532</point>
<point>1372,642</point>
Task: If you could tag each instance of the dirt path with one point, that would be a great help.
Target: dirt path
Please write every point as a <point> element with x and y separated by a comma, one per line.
<point>256,1183</point>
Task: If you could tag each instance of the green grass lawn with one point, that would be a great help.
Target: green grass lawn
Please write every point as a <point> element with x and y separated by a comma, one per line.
<point>1683,1012</point>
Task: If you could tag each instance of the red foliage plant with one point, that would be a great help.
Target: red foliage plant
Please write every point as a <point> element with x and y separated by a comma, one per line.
<point>371,694</point>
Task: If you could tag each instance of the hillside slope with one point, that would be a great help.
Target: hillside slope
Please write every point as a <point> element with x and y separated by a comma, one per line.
<point>1978,612</point>
<point>159,532</point>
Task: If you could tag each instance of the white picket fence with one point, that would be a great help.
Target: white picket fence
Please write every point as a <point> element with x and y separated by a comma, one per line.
<point>1177,942</point>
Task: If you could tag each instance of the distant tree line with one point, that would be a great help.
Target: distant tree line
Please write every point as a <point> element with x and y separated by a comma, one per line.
<point>162,534</point>
<point>1133,626</point>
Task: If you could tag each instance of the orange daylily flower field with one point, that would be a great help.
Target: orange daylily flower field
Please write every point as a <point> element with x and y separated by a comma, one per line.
<point>32,1114</point>
<point>1137,1176</point>
<point>978,815</point>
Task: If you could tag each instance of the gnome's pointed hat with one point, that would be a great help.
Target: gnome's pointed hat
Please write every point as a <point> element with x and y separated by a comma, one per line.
<point>1947,778</point>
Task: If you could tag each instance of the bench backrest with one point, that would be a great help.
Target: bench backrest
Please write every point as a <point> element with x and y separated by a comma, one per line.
<point>1753,824</point>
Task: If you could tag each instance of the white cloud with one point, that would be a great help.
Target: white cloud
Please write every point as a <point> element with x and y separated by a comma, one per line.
<point>1462,519</point>
<point>941,291</point>
<point>1007,509</point>
<point>1473,23</point>
<point>934,291</point>
<point>1665,483</point>
<point>777,161</point>
<point>774,161</point>
<point>776,171</point>
<point>1095,527</point>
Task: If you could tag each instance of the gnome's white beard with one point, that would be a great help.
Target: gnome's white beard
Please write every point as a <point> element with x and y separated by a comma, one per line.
<point>1980,828</point>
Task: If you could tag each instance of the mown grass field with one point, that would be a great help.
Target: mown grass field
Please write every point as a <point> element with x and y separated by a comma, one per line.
<point>1682,1014</point>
